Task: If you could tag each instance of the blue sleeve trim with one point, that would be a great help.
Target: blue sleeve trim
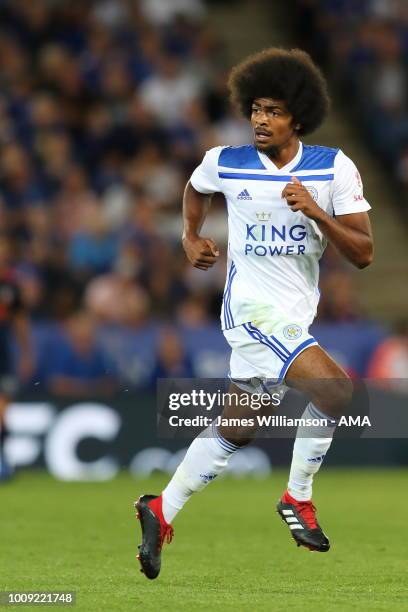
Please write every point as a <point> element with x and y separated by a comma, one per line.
<point>274,177</point>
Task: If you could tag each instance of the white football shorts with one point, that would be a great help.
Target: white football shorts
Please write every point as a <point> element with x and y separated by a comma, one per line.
<point>260,359</point>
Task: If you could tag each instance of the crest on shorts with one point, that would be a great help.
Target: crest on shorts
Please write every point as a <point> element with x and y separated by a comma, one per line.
<point>292,331</point>
<point>313,192</point>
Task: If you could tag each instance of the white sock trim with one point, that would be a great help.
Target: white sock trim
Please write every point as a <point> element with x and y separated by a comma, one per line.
<point>225,444</point>
<point>318,414</point>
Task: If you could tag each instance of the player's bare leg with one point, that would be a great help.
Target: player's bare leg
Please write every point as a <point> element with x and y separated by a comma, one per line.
<point>315,373</point>
<point>244,434</point>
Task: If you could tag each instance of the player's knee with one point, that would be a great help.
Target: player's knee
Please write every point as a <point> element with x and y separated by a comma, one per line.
<point>339,396</point>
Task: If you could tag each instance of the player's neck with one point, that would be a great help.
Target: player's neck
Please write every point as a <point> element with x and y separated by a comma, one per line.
<point>284,154</point>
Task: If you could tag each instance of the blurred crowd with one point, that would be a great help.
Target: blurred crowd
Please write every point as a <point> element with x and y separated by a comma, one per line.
<point>106,107</point>
<point>365,43</point>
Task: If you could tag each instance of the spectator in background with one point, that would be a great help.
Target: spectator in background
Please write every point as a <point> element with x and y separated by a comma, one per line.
<point>365,44</point>
<point>126,330</point>
<point>341,327</point>
<point>339,297</point>
<point>163,12</point>
<point>20,186</point>
<point>390,360</point>
<point>193,312</point>
<point>93,246</point>
<point>105,109</point>
<point>172,360</point>
<point>78,366</point>
<point>91,173</point>
<point>13,318</point>
<point>116,299</point>
<point>169,92</point>
<point>151,174</point>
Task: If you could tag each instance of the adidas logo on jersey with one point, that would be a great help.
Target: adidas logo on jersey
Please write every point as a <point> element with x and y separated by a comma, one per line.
<point>244,195</point>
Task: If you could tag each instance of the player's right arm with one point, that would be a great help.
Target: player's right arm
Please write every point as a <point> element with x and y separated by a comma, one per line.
<point>202,252</point>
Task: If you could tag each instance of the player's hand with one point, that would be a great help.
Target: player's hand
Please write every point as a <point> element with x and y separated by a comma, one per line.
<point>299,198</point>
<point>201,252</point>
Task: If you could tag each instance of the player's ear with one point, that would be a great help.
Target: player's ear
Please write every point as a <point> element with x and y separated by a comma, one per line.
<point>296,126</point>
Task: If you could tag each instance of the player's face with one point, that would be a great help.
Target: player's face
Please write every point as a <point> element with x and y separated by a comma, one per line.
<point>272,123</point>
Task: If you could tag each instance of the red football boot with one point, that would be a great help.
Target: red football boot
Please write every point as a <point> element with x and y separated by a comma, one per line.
<point>300,517</point>
<point>155,531</point>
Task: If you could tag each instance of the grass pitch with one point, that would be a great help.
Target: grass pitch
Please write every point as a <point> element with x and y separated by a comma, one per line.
<point>231,550</point>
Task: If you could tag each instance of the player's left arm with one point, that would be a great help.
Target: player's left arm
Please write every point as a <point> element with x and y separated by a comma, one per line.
<point>349,229</point>
<point>351,234</point>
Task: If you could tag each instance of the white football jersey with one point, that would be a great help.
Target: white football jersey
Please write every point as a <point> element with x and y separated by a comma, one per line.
<point>273,252</point>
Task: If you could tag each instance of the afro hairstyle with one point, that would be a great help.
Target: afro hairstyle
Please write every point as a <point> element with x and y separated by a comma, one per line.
<point>290,76</point>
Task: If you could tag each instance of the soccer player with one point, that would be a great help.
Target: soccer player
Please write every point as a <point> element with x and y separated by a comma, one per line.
<point>285,201</point>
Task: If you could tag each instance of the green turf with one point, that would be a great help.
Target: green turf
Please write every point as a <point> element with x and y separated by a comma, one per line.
<point>230,552</point>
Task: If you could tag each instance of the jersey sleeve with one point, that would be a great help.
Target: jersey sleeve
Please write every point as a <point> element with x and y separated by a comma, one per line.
<point>347,193</point>
<point>205,177</point>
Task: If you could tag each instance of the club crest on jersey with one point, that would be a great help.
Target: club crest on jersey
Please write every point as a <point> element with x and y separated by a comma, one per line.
<point>292,331</point>
<point>263,216</point>
<point>313,192</point>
